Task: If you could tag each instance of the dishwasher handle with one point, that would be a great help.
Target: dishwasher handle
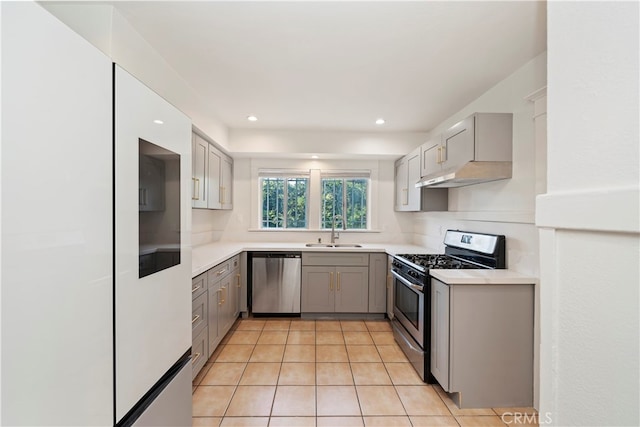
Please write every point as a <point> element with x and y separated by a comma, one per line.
<point>276,255</point>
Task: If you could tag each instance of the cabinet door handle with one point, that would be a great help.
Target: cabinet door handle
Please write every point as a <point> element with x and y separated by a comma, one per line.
<point>196,192</point>
<point>405,196</point>
<point>444,153</point>
<point>221,272</point>
<point>219,292</point>
<point>238,277</point>
<point>331,281</point>
<point>195,319</point>
<point>195,289</point>
<point>338,288</point>
<point>439,160</point>
<point>195,358</point>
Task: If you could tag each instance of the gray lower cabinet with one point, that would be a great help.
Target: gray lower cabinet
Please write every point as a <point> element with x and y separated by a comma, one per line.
<point>482,343</point>
<point>199,323</point>
<point>216,305</point>
<point>215,301</point>
<point>335,289</point>
<point>389,285</point>
<point>340,283</point>
<point>235,290</point>
<point>199,350</point>
<point>440,332</point>
<point>226,306</point>
<point>378,272</point>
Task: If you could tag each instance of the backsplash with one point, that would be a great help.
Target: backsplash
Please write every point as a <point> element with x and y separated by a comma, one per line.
<point>521,238</point>
<point>208,225</point>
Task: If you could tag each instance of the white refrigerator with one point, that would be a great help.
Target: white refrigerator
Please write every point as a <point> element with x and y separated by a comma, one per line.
<point>96,251</point>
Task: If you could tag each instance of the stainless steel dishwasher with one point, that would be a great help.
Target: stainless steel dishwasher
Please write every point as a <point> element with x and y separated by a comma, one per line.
<point>275,281</point>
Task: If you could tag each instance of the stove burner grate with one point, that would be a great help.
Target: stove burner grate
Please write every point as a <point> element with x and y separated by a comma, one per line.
<point>435,261</point>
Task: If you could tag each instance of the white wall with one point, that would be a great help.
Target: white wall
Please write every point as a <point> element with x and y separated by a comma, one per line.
<point>589,219</point>
<point>104,27</point>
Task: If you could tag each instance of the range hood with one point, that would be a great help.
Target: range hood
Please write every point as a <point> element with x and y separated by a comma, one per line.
<point>473,172</point>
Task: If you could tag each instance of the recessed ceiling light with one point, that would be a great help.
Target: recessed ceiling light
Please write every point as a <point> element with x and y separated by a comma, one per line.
<point>158,122</point>
<point>252,118</point>
<point>315,157</point>
<point>380,121</point>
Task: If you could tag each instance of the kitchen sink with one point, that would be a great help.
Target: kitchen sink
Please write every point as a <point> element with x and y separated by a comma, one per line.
<point>329,245</point>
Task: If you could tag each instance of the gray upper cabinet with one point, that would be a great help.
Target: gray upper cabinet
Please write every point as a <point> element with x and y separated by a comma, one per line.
<point>199,172</point>
<point>458,144</point>
<point>226,183</point>
<point>212,180</point>
<point>407,173</point>
<point>430,153</point>
<point>479,137</point>
<point>408,197</point>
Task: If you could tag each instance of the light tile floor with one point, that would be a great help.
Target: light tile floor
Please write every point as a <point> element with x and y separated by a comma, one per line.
<point>293,372</point>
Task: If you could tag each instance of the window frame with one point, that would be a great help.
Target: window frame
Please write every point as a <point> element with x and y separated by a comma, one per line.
<point>313,170</point>
<point>346,176</point>
<point>285,177</point>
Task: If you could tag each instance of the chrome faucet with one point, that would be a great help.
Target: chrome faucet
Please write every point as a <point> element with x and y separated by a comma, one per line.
<point>333,229</point>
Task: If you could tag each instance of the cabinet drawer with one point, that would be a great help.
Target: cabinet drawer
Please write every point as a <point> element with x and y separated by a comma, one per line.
<point>235,262</point>
<point>198,285</point>
<point>220,271</point>
<point>342,258</point>
<point>199,314</point>
<point>199,352</point>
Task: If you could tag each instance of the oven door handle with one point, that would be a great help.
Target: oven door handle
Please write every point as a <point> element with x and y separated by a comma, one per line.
<point>408,283</point>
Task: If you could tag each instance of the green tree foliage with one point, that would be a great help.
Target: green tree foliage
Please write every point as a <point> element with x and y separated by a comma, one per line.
<point>272,202</point>
<point>297,202</point>
<point>274,194</point>
<point>341,195</point>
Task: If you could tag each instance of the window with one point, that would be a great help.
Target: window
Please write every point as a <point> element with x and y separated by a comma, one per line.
<point>284,201</point>
<point>346,200</point>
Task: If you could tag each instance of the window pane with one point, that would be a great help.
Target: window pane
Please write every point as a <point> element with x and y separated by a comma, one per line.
<point>297,202</point>
<point>284,202</point>
<point>272,202</point>
<point>357,203</point>
<point>332,189</point>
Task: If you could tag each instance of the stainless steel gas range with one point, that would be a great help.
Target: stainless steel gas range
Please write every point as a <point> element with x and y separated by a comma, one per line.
<point>412,288</point>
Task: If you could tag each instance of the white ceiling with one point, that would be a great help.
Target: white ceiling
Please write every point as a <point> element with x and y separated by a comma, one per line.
<point>320,65</point>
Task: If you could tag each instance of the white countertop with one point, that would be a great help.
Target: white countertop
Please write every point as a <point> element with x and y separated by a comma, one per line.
<point>482,277</point>
<point>206,256</point>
